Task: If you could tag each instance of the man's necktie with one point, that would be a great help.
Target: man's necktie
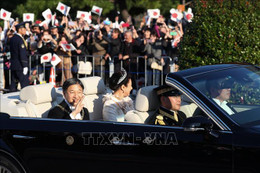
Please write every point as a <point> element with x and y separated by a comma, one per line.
<point>176,116</point>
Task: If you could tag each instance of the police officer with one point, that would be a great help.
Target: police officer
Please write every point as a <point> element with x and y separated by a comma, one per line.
<point>19,59</point>
<point>169,113</point>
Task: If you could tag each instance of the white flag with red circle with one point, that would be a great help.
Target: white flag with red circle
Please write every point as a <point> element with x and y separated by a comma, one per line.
<point>97,10</point>
<point>55,60</point>
<point>85,15</point>
<point>64,9</point>
<point>5,15</point>
<point>68,47</point>
<point>153,13</point>
<point>188,15</point>
<point>45,23</point>
<point>176,15</point>
<point>47,14</point>
<point>27,17</point>
<point>46,57</point>
<point>175,42</point>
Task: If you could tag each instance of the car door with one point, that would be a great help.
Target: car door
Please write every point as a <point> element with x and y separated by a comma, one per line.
<point>174,148</point>
<point>155,148</point>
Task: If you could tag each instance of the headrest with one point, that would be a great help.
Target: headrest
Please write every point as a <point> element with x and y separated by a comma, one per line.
<point>38,93</point>
<point>93,85</point>
<point>146,99</point>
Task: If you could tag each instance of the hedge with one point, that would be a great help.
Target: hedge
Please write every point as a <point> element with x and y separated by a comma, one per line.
<point>222,31</point>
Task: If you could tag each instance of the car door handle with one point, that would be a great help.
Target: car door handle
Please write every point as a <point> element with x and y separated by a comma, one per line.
<point>23,137</point>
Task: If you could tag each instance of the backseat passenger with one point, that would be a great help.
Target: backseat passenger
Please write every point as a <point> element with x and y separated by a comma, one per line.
<point>71,107</point>
<point>116,105</point>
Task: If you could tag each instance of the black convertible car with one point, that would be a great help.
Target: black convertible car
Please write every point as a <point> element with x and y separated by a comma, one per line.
<point>213,138</point>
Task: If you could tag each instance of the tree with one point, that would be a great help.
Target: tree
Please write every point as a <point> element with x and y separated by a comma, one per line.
<point>222,31</point>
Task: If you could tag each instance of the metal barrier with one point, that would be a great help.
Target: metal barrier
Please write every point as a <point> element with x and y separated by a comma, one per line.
<point>142,69</point>
<point>1,72</point>
<point>147,73</point>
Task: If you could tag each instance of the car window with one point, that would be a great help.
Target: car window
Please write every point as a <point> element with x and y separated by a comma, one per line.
<point>236,91</point>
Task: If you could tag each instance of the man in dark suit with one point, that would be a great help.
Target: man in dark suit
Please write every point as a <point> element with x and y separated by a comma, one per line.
<point>19,58</point>
<point>71,107</point>
<point>169,113</point>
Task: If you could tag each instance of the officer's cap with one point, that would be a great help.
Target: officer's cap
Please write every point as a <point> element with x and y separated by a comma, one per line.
<point>165,90</point>
<point>21,25</point>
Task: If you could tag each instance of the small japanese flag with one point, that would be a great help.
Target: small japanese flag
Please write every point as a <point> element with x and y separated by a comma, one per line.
<point>5,15</point>
<point>55,60</point>
<point>28,17</point>
<point>46,57</point>
<point>96,10</point>
<point>54,21</point>
<point>176,15</point>
<point>188,15</point>
<point>175,42</point>
<point>85,15</point>
<point>153,13</point>
<point>45,22</point>
<point>64,9</point>
<point>47,14</point>
<point>68,47</point>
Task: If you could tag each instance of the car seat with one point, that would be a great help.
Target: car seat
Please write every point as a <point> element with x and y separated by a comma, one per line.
<point>146,104</point>
<point>94,90</point>
<point>39,99</point>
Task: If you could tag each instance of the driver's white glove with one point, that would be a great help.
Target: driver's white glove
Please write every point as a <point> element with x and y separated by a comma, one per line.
<point>25,70</point>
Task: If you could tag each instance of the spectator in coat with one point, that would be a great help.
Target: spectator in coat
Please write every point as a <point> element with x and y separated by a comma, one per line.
<point>63,69</point>
<point>114,49</point>
<point>46,44</point>
<point>99,49</point>
<point>154,50</point>
<point>80,52</point>
<point>130,50</point>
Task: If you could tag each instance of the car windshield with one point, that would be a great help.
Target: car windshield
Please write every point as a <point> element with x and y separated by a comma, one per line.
<point>235,90</point>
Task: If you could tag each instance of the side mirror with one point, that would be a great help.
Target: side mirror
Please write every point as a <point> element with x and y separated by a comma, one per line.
<point>197,124</point>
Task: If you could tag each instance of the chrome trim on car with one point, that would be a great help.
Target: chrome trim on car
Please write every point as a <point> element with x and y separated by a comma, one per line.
<point>200,104</point>
<point>228,132</point>
<point>23,137</point>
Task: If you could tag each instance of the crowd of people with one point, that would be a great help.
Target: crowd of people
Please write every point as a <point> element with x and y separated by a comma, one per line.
<point>106,40</point>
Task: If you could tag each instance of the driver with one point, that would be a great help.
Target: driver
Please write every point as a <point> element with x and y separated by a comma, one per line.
<point>220,91</point>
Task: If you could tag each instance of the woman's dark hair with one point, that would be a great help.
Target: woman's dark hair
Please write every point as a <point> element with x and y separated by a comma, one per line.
<point>71,81</point>
<point>80,35</point>
<point>103,31</point>
<point>62,36</point>
<point>116,30</point>
<point>118,79</point>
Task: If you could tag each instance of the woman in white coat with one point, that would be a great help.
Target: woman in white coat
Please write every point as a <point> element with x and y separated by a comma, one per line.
<point>117,104</point>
